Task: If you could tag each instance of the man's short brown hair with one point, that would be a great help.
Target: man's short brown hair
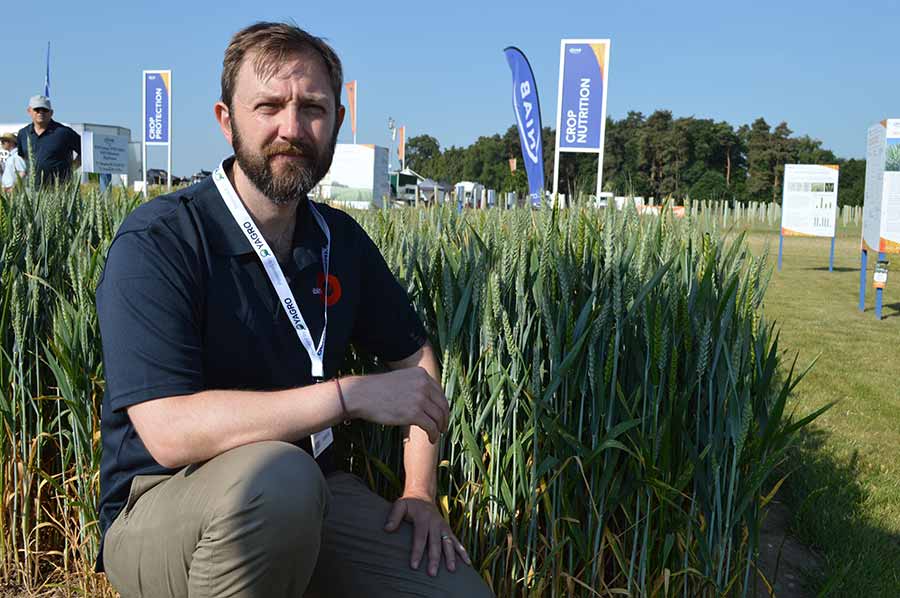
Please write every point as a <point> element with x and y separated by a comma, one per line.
<point>272,44</point>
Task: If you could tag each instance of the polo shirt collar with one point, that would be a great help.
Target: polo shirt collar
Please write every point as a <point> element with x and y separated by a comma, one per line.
<point>53,124</point>
<point>226,237</point>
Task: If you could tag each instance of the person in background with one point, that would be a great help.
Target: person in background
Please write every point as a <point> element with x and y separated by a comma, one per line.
<point>49,144</point>
<point>14,166</point>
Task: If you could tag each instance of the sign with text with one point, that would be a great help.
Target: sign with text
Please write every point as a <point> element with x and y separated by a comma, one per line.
<point>581,101</point>
<point>880,276</point>
<point>528,119</point>
<point>105,154</point>
<point>809,200</point>
<point>157,107</point>
<point>582,94</point>
<point>881,209</point>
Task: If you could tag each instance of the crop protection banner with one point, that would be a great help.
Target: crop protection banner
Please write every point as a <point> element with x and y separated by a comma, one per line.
<point>157,104</point>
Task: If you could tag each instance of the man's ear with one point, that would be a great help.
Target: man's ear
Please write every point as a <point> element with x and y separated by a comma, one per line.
<point>339,119</point>
<point>223,117</point>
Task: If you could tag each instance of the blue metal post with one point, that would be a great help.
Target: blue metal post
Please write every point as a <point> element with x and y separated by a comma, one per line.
<point>862,280</point>
<point>878,294</point>
<point>780,248</point>
<point>105,180</point>
<point>831,259</point>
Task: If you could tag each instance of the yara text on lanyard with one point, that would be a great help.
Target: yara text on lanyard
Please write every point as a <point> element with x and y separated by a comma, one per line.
<point>316,352</point>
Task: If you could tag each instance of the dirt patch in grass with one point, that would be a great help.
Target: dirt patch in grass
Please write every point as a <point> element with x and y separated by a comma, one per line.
<point>788,565</point>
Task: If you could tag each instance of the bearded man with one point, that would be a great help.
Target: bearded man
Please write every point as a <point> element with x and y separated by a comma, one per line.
<point>217,476</point>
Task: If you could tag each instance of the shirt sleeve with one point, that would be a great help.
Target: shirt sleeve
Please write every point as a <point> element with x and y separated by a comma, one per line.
<point>22,144</point>
<point>150,324</point>
<point>7,174</point>
<point>386,324</point>
<point>76,142</point>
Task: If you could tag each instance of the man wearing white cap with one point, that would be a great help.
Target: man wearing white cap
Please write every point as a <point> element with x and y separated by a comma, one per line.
<point>49,144</point>
<point>14,166</point>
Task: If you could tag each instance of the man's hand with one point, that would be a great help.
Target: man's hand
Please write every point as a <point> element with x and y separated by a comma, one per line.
<point>430,529</point>
<point>399,398</point>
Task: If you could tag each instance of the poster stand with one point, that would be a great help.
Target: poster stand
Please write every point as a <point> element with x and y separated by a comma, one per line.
<point>879,291</point>
<point>781,252</point>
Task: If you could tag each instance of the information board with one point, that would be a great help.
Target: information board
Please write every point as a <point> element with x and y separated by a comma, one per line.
<point>106,154</point>
<point>809,200</point>
<point>881,210</point>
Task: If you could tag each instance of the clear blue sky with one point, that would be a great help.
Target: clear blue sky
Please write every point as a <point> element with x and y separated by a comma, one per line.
<point>829,69</point>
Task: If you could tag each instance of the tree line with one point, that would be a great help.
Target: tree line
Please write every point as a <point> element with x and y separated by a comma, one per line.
<point>652,156</point>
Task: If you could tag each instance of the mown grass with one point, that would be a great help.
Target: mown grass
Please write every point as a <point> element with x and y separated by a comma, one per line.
<point>844,485</point>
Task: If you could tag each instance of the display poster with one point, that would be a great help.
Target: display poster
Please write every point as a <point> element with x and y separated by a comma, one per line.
<point>881,210</point>
<point>890,189</point>
<point>809,200</point>
<point>105,154</point>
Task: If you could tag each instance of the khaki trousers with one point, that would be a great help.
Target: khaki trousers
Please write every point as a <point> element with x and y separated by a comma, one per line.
<point>261,521</point>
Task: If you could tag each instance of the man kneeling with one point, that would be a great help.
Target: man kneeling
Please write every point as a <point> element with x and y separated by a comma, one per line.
<point>218,475</point>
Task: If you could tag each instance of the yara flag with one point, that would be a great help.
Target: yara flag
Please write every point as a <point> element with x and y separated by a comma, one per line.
<point>528,117</point>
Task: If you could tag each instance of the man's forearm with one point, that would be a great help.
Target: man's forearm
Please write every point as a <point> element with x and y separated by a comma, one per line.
<point>189,429</point>
<point>419,454</point>
<point>420,462</point>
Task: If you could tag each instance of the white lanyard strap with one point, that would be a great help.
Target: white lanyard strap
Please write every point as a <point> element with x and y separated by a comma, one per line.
<point>273,269</point>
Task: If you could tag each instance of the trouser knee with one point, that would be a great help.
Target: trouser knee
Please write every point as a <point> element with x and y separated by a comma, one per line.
<point>265,530</point>
<point>276,493</point>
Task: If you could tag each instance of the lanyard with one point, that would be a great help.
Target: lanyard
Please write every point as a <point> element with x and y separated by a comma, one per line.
<point>322,439</point>
<point>273,269</point>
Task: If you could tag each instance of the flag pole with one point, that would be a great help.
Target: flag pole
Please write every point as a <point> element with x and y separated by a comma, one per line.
<point>47,74</point>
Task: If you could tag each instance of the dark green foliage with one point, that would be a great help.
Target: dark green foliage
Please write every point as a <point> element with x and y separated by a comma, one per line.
<point>711,186</point>
<point>651,156</point>
<point>852,185</point>
<point>618,404</point>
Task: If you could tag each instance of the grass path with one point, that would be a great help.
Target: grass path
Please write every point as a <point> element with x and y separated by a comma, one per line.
<point>845,487</point>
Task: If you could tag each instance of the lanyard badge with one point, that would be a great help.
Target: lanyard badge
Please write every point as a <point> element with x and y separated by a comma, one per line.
<point>320,440</point>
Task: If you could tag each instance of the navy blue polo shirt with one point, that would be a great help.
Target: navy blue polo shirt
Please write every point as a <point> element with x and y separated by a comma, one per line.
<point>185,305</point>
<point>52,151</point>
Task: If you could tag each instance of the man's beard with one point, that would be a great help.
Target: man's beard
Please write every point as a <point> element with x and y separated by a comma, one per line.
<point>300,176</point>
